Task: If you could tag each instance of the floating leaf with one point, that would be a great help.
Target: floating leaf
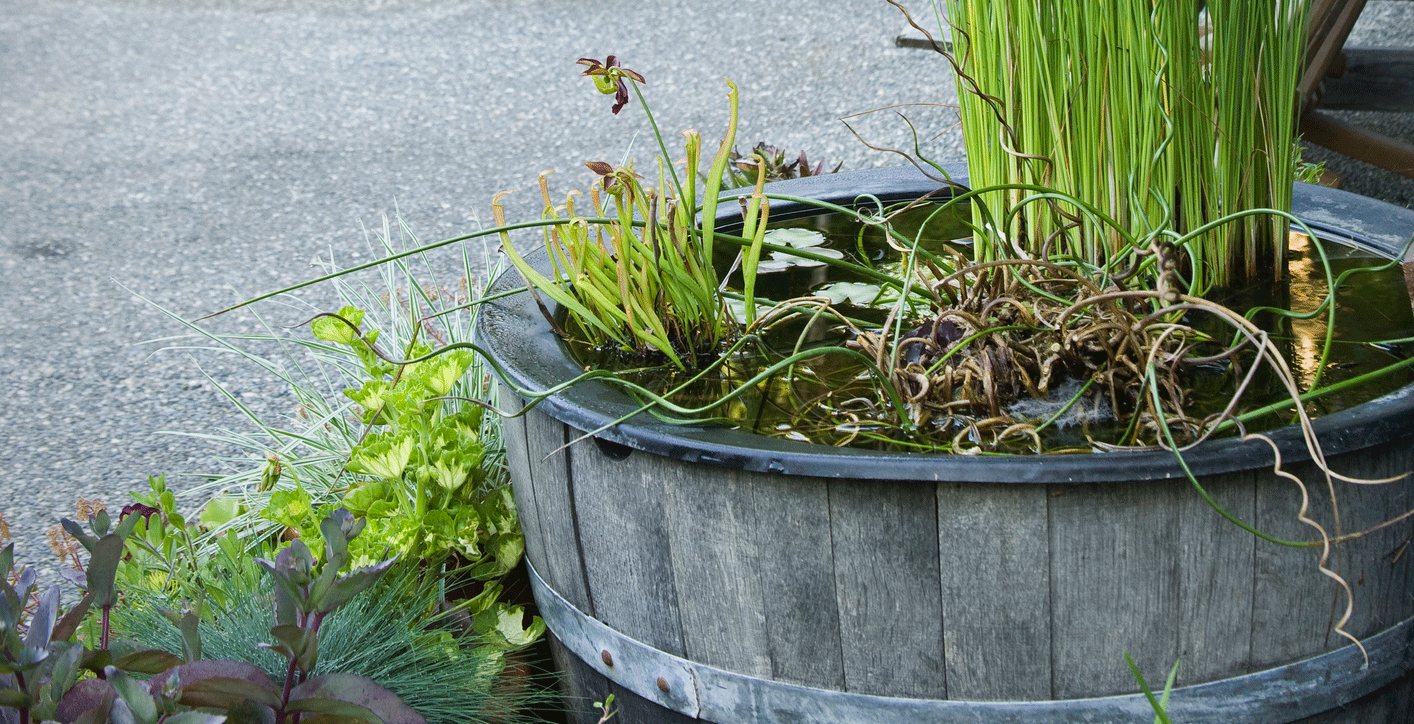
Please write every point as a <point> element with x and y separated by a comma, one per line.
<point>796,239</point>
<point>853,292</point>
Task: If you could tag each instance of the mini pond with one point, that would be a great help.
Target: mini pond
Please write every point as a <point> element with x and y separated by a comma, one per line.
<point>832,398</point>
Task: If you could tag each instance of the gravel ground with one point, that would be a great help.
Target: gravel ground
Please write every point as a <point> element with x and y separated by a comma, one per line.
<point>199,152</point>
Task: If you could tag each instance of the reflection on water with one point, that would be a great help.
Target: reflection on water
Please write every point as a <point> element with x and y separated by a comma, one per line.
<point>1369,308</point>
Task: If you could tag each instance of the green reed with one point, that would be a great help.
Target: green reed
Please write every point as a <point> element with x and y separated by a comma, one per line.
<point>1159,115</point>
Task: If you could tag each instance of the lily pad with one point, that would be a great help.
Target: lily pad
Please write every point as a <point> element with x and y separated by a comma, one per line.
<point>860,295</point>
<point>796,239</point>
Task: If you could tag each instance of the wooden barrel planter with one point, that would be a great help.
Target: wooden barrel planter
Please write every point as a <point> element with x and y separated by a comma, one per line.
<point>706,574</point>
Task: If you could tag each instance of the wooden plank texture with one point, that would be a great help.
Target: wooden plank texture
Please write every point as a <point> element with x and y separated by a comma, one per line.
<point>628,559</point>
<point>797,571</point>
<point>522,482</point>
<point>1377,573</point>
<point>554,500</point>
<point>1293,603</point>
<point>1373,79</point>
<point>886,575</point>
<point>1216,579</point>
<point>710,520</point>
<point>994,560</point>
<point>1114,585</point>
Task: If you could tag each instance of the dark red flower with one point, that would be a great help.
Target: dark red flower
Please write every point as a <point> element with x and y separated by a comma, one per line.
<point>609,79</point>
<point>616,180</point>
<point>146,511</point>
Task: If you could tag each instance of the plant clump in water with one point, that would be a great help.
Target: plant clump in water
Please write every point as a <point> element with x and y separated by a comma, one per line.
<point>1012,355</point>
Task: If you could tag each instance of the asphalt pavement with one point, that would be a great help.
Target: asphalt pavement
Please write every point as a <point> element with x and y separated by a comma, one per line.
<point>193,154</point>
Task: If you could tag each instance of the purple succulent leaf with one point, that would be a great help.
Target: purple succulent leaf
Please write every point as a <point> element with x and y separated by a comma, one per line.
<point>216,692</point>
<point>103,569</point>
<point>89,695</point>
<point>140,704</point>
<point>250,678</point>
<point>298,642</point>
<point>78,533</point>
<point>358,690</point>
<point>248,712</point>
<point>75,577</point>
<point>150,661</point>
<point>336,542</point>
<point>41,622</point>
<point>343,590</point>
<point>200,717</point>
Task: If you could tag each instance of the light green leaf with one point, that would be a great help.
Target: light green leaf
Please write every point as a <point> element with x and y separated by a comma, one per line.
<point>384,457</point>
<point>219,511</point>
<point>361,499</point>
<point>852,292</point>
<point>330,329</point>
<point>289,507</point>
<point>795,238</point>
<point>441,373</point>
<point>370,398</point>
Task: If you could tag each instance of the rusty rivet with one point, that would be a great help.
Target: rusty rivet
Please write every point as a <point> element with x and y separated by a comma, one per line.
<point>607,657</point>
<point>662,685</point>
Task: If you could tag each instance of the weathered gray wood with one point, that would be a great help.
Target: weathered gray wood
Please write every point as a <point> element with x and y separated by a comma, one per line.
<point>716,569</point>
<point>886,575</point>
<point>553,485</point>
<point>797,570</point>
<point>1377,574</point>
<point>522,482</point>
<point>994,543</point>
<point>1216,579</point>
<point>627,554</point>
<point>628,708</point>
<point>1114,585</point>
<point>1293,603</point>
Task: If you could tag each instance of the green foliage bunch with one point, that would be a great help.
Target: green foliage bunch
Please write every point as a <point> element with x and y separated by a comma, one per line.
<point>1144,113</point>
<point>179,558</point>
<point>635,271</point>
<point>46,664</point>
<point>419,474</point>
<point>390,426</point>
